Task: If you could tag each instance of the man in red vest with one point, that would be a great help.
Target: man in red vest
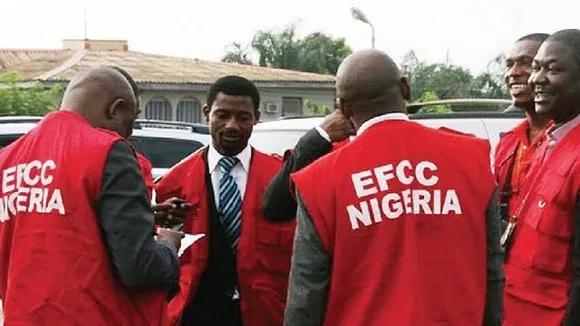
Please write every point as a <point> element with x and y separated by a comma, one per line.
<point>237,274</point>
<point>75,222</point>
<point>514,152</point>
<point>144,164</point>
<point>401,225</point>
<point>167,214</point>
<point>543,236</point>
<point>171,211</point>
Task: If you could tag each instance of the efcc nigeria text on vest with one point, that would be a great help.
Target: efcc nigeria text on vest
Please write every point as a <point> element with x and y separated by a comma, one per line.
<point>28,188</point>
<point>374,184</point>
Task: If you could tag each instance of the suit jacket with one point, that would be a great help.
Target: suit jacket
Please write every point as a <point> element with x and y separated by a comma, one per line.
<point>279,204</point>
<point>212,304</point>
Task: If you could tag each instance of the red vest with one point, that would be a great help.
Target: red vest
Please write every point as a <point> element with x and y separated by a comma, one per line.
<point>146,170</point>
<point>405,226</point>
<point>264,250</point>
<point>54,265</point>
<point>456,132</point>
<point>157,299</point>
<point>337,145</point>
<point>505,153</point>
<point>538,266</point>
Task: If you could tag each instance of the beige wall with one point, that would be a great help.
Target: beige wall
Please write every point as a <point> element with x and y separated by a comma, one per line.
<point>319,97</point>
<point>114,45</point>
<point>172,97</point>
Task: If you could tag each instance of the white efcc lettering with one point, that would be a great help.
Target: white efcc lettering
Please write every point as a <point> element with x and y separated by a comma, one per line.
<point>410,201</point>
<point>26,189</point>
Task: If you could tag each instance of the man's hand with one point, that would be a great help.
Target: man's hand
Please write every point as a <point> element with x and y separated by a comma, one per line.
<point>171,212</point>
<point>337,126</point>
<point>173,237</point>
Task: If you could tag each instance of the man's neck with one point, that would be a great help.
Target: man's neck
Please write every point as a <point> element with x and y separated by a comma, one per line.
<point>537,123</point>
<point>569,118</point>
<point>358,121</point>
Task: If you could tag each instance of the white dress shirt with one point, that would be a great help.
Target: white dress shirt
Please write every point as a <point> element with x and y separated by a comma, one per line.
<point>389,116</point>
<point>326,136</point>
<point>367,124</point>
<point>239,171</point>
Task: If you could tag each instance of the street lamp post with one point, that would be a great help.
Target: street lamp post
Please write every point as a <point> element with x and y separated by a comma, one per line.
<point>357,14</point>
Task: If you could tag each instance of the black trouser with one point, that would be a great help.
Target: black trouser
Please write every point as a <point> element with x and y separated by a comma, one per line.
<point>224,312</point>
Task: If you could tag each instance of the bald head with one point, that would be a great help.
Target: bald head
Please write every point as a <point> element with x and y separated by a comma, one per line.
<point>104,97</point>
<point>366,74</point>
<point>104,83</point>
<point>369,83</point>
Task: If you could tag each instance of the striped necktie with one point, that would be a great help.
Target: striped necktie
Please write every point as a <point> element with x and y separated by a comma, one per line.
<point>230,202</point>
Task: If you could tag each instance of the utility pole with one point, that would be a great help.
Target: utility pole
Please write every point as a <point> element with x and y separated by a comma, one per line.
<point>357,14</point>
<point>85,19</point>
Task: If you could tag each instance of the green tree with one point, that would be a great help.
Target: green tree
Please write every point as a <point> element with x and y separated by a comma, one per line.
<point>410,64</point>
<point>236,53</point>
<point>448,81</point>
<point>316,52</point>
<point>278,49</point>
<point>321,53</point>
<point>491,84</point>
<point>18,98</point>
<point>317,110</point>
<point>486,86</point>
<point>430,96</point>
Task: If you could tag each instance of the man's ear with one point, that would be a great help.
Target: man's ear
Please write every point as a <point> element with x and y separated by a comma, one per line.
<point>115,107</point>
<point>206,109</point>
<point>405,88</point>
<point>257,114</point>
<point>346,111</point>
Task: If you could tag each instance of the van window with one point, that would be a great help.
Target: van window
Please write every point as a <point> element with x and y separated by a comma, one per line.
<point>6,140</point>
<point>275,141</point>
<point>164,152</point>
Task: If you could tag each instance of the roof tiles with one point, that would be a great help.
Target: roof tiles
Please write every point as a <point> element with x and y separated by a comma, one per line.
<point>62,65</point>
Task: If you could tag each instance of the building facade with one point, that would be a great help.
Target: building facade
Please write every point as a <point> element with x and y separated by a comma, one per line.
<point>172,88</point>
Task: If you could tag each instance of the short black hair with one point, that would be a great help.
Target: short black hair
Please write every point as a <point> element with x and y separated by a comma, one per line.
<point>537,37</point>
<point>571,38</point>
<point>234,86</point>
<point>130,79</point>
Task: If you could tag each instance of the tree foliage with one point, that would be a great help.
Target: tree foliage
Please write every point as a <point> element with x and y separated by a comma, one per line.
<point>430,96</point>
<point>316,52</point>
<point>17,98</point>
<point>236,53</point>
<point>448,81</point>
<point>317,110</point>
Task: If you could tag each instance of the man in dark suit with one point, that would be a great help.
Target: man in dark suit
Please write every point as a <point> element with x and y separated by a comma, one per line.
<point>279,204</point>
<point>237,274</point>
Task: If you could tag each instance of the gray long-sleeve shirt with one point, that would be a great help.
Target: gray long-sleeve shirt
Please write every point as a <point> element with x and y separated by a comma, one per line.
<point>127,223</point>
<point>311,272</point>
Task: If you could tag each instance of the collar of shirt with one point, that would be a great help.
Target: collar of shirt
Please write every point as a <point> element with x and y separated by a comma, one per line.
<point>556,132</point>
<point>389,116</point>
<point>213,158</point>
<point>521,132</point>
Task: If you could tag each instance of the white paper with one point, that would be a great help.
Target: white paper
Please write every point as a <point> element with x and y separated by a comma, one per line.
<point>188,240</point>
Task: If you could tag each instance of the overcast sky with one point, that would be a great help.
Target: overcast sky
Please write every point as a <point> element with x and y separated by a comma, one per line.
<point>473,31</point>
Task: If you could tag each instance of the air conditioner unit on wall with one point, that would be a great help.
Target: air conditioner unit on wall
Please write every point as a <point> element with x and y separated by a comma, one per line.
<point>271,107</point>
